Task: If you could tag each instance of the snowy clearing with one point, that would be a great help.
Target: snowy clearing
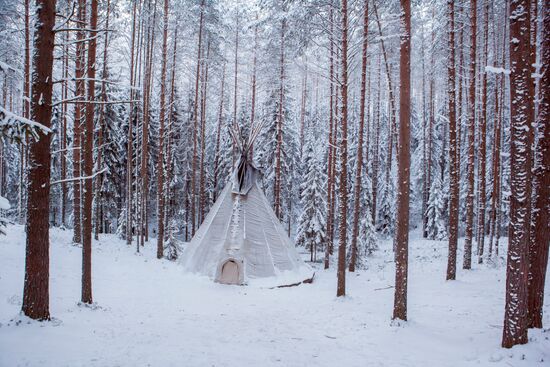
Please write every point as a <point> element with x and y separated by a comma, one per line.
<point>150,313</point>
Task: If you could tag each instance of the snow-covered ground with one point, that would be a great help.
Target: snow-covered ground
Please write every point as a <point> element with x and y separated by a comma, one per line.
<point>150,313</point>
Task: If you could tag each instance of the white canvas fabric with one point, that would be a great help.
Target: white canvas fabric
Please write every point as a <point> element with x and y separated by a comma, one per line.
<point>243,229</point>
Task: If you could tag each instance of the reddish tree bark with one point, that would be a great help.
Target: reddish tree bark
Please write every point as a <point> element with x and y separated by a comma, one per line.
<point>64,96</point>
<point>80,64</point>
<point>343,202</point>
<point>404,164</point>
<point>540,222</point>
<point>37,266</point>
<point>89,163</point>
<point>515,316</point>
<point>467,264</point>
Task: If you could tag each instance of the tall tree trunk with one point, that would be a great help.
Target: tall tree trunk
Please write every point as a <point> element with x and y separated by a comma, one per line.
<point>453,154</point>
<point>103,97</point>
<point>515,316</point>
<point>160,160</point>
<point>218,138</point>
<point>483,142</point>
<point>37,258</point>
<point>404,165</point>
<point>26,107</point>
<point>343,203</point>
<point>89,163</point>
<point>64,96</point>
<point>497,143</point>
<point>130,154</point>
<point>254,71</point>
<point>202,180</point>
<point>359,164</point>
<point>375,158</point>
<point>80,86</point>
<point>425,196</point>
<point>467,264</point>
<point>459,108</point>
<point>331,152</point>
<point>196,122</point>
<point>393,113</point>
<point>540,228</point>
<point>145,136</point>
<point>303,109</point>
<point>279,147</point>
<point>170,141</point>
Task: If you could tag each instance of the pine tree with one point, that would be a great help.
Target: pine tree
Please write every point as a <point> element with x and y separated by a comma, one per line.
<point>386,212</point>
<point>367,242</point>
<point>436,226</point>
<point>312,223</point>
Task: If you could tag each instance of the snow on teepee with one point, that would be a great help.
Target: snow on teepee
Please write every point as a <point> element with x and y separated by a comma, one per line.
<point>241,239</point>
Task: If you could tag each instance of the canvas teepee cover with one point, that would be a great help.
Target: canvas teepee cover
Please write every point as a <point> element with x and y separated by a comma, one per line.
<point>241,238</point>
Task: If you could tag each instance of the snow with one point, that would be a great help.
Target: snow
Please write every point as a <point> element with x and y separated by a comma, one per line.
<point>495,70</point>
<point>4,203</point>
<point>150,313</point>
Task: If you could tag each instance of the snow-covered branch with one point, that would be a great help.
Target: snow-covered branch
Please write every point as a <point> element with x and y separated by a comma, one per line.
<point>81,178</point>
<point>15,127</point>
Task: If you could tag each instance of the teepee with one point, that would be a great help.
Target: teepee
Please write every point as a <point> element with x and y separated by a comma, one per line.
<point>241,239</point>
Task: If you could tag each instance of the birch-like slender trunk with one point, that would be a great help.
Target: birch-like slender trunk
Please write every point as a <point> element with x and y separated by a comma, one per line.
<point>453,154</point>
<point>359,164</point>
<point>160,158</point>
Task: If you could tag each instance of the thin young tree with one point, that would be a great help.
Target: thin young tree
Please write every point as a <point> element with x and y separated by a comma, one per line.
<point>404,163</point>
<point>160,159</point>
<point>515,316</point>
<point>280,121</point>
<point>359,164</point>
<point>482,171</point>
<point>331,152</point>
<point>36,297</point>
<point>129,156</point>
<point>196,122</point>
<point>80,91</point>
<point>453,153</point>
<point>217,155</point>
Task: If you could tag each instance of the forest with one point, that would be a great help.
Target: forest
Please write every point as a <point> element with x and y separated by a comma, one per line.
<point>371,174</point>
